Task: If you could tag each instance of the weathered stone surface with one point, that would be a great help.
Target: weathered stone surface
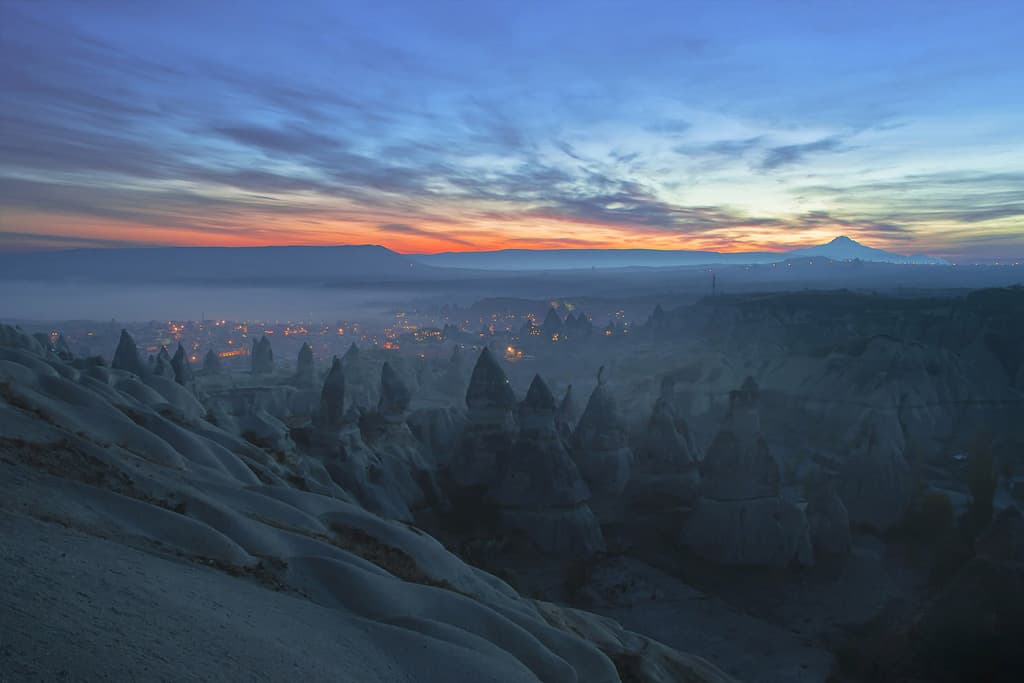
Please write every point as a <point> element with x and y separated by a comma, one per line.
<point>332,397</point>
<point>126,356</point>
<point>876,483</point>
<point>162,365</point>
<point>262,356</point>
<point>762,532</point>
<point>489,387</point>
<point>490,426</point>
<point>829,522</point>
<point>304,367</point>
<point>600,445</point>
<point>740,518</point>
<point>394,394</point>
<point>211,363</point>
<point>181,366</point>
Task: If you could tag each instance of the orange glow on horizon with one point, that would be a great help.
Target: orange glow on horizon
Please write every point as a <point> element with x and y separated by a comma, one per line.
<point>495,233</point>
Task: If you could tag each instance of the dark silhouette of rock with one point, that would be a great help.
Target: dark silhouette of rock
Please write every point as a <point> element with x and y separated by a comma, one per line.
<point>552,324</point>
<point>567,415</point>
<point>211,363</point>
<point>262,356</point>
<point>304,368</point>
<point>126,356</point>
<point>394,394</point>
<point>600,445</point>
<point>665,475</point>
<point>351,354</point>
<point>876,482</point>
<point>829,522</point>
<point>738,464</point>
<point>490,425</point>
<point>62,348</point>
<point>740,518</point>
<point>539,488</point>
<point>489,386</point>
<point>181,367</point>
<point>162,365</point>
<point>332,397</point>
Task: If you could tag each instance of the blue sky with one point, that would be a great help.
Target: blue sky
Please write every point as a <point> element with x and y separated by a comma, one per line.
<point>474,125</point>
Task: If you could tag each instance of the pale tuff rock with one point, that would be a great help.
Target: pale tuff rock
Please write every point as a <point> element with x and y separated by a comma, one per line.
<point>126,356</point>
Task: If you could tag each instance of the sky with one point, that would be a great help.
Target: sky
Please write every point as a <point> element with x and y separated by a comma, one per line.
<point>453,126</point>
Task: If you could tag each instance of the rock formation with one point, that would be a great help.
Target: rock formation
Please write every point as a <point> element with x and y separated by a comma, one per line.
<point>304,368</point>
<point>876,482</point>
<point>829,522</point>
<point>740,518</point>
<point>567,415</point>
<point>394,394</point>
<point>126,356</point>
<point>539,488</point>
<point>211,363</point>
<point>332,397</point>
<point>162,366</point>
<point>181,367</point>
<point>600,447</point>
<point>490,426</point>
<point>552,324</point>
<point>665,474</point>
<point>262,356</point>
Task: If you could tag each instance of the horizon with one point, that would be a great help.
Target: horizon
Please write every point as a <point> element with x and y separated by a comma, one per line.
<point>451,128</point>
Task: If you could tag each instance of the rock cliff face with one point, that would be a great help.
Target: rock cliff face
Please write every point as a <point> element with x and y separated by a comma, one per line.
<point>539,489</point>
<point>600,448</point>
<point>490,426</point>
<point>740,518</point>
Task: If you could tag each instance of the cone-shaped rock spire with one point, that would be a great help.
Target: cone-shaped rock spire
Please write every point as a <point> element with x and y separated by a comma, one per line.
<point>262,356</point>
<point>181,367</point>
<point>211,363</point>
<point>332,397</point>
<point>127,357</point>
<point>394,394</point>
<point>489,386</point>
<point>304,366</point>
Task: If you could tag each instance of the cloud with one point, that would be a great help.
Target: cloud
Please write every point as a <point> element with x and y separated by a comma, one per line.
<point>791,154</point>
<point>403,229</point>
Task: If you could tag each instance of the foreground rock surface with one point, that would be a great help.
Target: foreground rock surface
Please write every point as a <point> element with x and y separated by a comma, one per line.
<point>130,523</point>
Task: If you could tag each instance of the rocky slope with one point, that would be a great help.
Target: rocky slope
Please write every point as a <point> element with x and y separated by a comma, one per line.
<point>141,540</point>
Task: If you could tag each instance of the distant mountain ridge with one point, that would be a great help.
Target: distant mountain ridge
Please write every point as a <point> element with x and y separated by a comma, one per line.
<point>250,265</point>
<point>839,249</point>
<point>376,264</point>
